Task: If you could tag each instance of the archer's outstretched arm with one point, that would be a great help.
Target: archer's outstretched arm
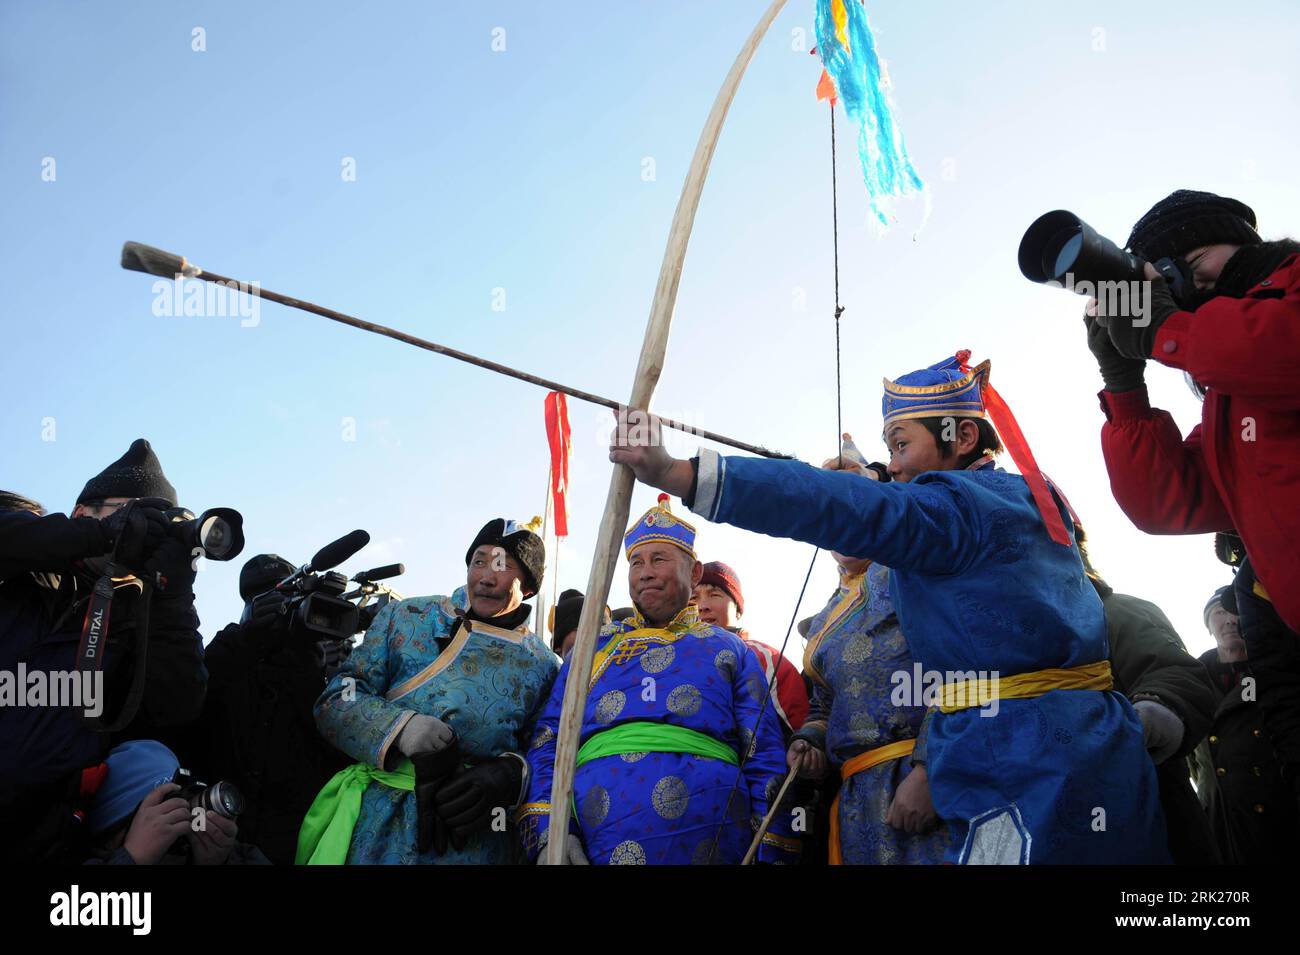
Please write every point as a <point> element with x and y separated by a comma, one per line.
<point>926,525</point>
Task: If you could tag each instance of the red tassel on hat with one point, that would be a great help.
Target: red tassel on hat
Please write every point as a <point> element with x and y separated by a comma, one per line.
<point>1009,429</point>
<point>1015,441</point>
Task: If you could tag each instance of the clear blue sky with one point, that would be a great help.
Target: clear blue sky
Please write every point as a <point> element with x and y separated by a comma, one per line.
<point>522,170</point>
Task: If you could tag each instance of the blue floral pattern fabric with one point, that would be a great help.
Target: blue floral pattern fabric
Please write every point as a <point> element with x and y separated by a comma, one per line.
<point>855,649</point>
<point>486,683</point>
<point>668,808</point>
<point>980,587</point>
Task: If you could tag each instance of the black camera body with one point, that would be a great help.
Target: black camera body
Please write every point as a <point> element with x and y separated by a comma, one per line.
<point>221,797</point>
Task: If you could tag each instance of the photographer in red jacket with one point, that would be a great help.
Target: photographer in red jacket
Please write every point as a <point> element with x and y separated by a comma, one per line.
<point>1236,335</point>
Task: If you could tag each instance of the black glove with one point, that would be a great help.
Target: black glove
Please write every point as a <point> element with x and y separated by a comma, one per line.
<point>466,801</point>
<point>266,611</point>
<point>1134,340</point>
<point>173,567</point>
<point>136,530</point>
<point>1118,373</point>
<point>431,770</point>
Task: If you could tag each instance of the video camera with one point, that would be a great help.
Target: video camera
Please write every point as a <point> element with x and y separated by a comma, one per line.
<point>313,604</point>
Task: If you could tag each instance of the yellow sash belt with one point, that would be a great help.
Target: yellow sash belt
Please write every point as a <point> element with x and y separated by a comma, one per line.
<point>965,694</point>
<point>861,763</point>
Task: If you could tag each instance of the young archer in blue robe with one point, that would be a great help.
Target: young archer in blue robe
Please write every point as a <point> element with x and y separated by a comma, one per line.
<point>1056,770</point>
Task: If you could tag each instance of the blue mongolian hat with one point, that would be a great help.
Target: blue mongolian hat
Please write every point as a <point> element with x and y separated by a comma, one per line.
<point>662,525</point>
<point>947,388</point>
<point>953,387</point>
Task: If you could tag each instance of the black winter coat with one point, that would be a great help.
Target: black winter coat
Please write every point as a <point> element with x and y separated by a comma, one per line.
<point>258,732</point>
<point>43,748</point>
<point>1250,807</point>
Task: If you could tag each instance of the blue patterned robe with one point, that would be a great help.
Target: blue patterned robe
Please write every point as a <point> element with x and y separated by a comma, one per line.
<point>487,684</point>
<point>667,808</point>
<point>979,586</point>
<point>855,647</point>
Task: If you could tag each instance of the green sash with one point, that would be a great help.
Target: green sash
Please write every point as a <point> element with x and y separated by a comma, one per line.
<point>651,738</point>
<point>326,833</point>
<point>654,738</point>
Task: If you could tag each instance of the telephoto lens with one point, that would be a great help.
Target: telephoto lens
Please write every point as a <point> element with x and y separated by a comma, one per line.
<point>1060,247</point>
<point>218,532</point>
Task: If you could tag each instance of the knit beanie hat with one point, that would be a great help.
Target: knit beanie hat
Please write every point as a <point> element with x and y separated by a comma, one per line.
<point>1187,220</point>
<point>724,578</point>
<point>1223,597</point>
<point>135,474</point>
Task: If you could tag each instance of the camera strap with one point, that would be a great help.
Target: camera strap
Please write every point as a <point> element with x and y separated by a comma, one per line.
<point>94,628</point>
<point>94,644</point>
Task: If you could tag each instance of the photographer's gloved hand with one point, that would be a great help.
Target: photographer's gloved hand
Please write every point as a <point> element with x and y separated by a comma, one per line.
<point>1136,338</point>
<point>431,771</point>
<point>174,566</point>
<point>1162,730</point>
<point>266,610</point>
<point>136,532</point>
<point>424,734</point>
<point>1117,372</point>
<point>467,801</point>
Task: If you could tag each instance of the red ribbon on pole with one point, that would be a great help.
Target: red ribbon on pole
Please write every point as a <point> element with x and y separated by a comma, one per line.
<point>559,437</point>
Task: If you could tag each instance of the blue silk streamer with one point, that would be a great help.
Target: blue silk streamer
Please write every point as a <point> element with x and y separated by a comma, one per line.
<point>886,168</point>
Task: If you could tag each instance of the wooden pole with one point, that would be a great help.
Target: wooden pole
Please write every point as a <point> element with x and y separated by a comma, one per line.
<point>539,627</point>
<point>613,522</point>
<point>767,820</point>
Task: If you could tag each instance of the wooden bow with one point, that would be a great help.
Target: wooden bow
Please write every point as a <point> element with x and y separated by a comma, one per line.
<point>614,520</point>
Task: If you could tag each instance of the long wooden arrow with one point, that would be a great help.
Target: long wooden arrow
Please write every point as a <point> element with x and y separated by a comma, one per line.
<point>614,520</point>
<point>139,257</point>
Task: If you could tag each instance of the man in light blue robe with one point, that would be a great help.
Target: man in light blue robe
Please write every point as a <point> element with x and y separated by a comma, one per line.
<point>436,705</point>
